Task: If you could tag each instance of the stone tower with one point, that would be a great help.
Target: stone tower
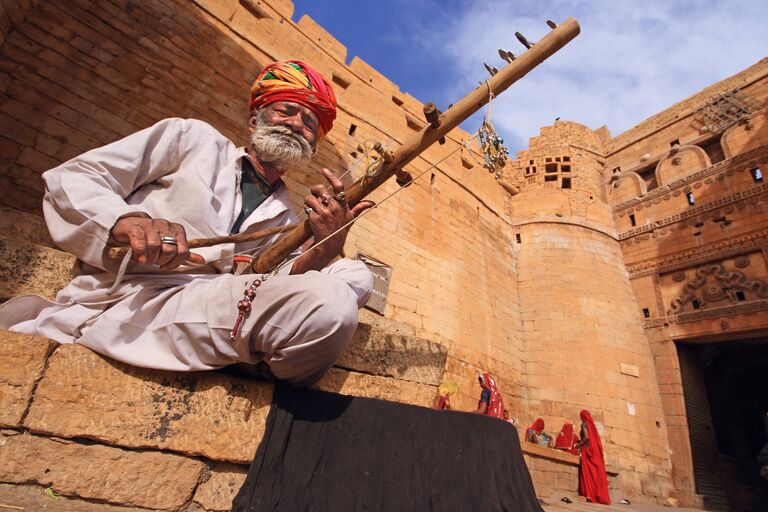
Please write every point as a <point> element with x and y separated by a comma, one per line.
<point>583,339</point>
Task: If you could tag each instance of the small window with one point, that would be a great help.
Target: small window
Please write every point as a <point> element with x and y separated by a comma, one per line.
<point>632,219</point>
<point>517,238</point>
<point>432,179</point>
<point>550,178</point>
<point>527,170</point>
<point>696,303</point>
<point>691,199</point>
<point>566,159</point>
<point>397,101</point>
<point>548,159</point>
<point>352,129</point>
<point>674,143</point>
<point>565,168</point>
<point>550,167</point>
<point>616,170</point>
<point>757,176</point>
<point>466,163</point>
<point>740,296</point>
<point>341,82</point>
<point>531,162</point>
<point>566,183</point>
<point>533,170</point>
<point>646,313</point>
<point>412,123</point>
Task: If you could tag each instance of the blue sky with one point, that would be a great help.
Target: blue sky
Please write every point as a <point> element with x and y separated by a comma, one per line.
<point>631,60</point>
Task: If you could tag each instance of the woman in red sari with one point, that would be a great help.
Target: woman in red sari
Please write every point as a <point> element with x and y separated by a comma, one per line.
<point>491,402</point>
<point>567,440</point>
<point>593,480</point>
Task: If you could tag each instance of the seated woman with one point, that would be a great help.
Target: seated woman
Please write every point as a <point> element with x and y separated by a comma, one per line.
<point>535,434</point>
<point>567,440</point>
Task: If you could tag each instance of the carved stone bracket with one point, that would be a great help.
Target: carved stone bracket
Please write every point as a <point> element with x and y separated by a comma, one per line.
<point>700,255</point>
<point>707,314</point>
<point>724,287</point>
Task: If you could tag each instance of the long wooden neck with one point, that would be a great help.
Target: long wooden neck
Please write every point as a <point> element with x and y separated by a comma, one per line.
<point>447,121</point>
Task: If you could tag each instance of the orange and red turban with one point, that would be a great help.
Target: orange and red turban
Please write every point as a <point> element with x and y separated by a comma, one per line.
<point>297,82</point>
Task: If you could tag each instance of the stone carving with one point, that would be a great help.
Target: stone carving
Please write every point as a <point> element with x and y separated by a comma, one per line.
<point>700,255</point>
<point>747,160</point>
<point>679,276</point>
<point>750,196</point>
<point>706,314</point>
<point>726,286</point>
<point>741,262</point>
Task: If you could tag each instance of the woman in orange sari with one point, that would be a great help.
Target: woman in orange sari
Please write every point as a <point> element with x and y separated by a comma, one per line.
<point>593,480</point>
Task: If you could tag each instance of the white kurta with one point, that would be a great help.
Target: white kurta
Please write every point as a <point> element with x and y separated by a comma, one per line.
<point>184,171</point>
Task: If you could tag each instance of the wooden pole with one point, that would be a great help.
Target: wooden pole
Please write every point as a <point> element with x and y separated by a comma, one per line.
<point>447,121</point>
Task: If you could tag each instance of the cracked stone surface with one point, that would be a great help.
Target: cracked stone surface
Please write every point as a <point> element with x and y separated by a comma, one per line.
<point>208,414</point>
<point>22,360</point>
<point>148,479</point>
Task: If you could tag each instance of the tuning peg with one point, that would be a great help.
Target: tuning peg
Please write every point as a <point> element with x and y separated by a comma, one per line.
<point>520,37</point>
<point>551,24</point>
<point>492,70</point>
<point>507,56</point>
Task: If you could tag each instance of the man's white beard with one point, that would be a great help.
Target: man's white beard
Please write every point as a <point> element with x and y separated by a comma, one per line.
<point>279,146</point>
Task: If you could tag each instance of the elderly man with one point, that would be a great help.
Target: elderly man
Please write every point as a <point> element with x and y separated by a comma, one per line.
<point>181,179</point>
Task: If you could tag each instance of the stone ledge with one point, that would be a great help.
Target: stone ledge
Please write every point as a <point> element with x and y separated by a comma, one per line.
<point>560,456</point>
<point>30,269</point>
<point>535,450</point>
<point>22,361</point>
<point>143,479</point>
<point>370,386</point>
<point>382,348</point>
<point>85,395</point>
<point>24,227</point>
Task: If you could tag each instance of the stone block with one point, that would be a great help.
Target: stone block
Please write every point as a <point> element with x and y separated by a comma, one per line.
<point>144,479</point>
<point>22,360</point>
<point>217,493</point>
<point>24,226</point>
<point>208,414</point>
<point>387,352</point>
<point>35,497</point>
<point>26,268</point>
<point>372,386</point>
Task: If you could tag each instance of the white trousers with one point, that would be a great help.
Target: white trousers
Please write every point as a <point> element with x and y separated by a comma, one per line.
<point>298,324</point>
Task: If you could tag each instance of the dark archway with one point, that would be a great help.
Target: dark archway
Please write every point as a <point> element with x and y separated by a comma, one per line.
<point>726,396</point>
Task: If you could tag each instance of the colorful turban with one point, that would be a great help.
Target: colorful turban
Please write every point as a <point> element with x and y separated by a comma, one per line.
<point>295,81</point>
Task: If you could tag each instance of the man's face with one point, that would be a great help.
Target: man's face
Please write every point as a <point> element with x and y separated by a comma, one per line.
<point>300,119</point>
<point>283,135</point>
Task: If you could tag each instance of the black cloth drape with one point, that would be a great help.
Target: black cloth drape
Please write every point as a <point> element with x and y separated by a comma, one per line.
<point>329,452</point>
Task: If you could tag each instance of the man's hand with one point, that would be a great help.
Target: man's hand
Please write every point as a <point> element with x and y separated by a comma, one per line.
<point>326,214</point>
<point>143,234</point>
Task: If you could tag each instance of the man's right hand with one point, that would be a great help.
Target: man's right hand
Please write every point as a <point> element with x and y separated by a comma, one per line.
<point>143,234</point>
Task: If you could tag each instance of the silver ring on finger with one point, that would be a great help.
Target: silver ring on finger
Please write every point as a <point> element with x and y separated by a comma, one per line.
<point>308,210</point>
<point>168,240</point>
<point>341,197</point>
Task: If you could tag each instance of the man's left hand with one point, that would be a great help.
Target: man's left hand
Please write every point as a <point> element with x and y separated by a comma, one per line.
<point>327,213</point>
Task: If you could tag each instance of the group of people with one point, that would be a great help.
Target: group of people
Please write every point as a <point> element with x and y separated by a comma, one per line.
<point>593,479</point>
